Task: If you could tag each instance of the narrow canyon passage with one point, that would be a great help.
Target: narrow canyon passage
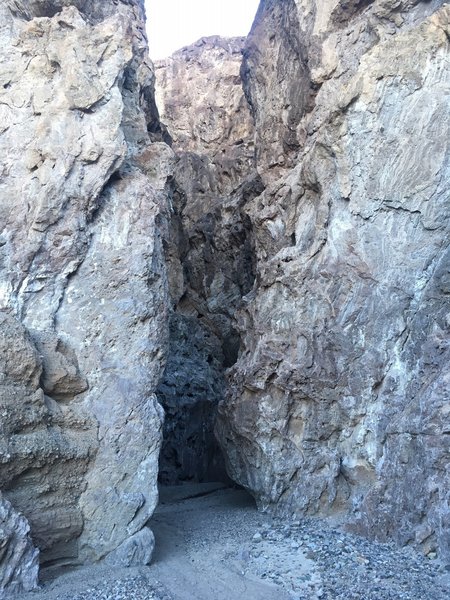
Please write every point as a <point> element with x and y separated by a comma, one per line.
<point>231,262</point>
<point>192,386</point>
<point>210,251</point>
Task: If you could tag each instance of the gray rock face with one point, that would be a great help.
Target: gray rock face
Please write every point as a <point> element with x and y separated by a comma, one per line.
<point>338,404</point>
<point>19,563</point>
<point>308,254</point>
<point>135,551</point>
<point>96,11</point>
<point>83,290</point>
<point>278,63</point>
<point>210,257</point>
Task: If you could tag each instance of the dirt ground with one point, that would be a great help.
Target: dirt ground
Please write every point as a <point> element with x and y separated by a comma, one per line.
<point>201,536</point>
<point>212,544</point>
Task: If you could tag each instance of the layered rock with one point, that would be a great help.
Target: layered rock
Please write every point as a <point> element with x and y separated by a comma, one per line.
<point>338,404</point>
<point>82,274</point>
<point>210,257</point>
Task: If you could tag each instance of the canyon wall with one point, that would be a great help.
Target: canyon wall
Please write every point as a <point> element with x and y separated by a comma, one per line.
<point>19,564</point>
<point>338,404</point>
<point>285,264</point>
<point>83,290</point>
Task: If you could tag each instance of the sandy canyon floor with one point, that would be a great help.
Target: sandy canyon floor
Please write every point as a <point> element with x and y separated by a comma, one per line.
<point>212,544</point>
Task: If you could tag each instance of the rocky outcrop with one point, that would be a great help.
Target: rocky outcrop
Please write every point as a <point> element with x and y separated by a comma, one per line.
<point>210,257</point>
<point>83,290</point>
<point>306,252</point>
<point>338,404</point>
<point>19,563</point>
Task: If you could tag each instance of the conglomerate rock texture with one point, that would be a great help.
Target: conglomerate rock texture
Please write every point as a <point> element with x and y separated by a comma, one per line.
<point>211,255</point>
<point>83,292</point>
<point>339,401</point>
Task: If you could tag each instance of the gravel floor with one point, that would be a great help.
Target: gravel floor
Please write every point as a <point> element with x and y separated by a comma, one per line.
<point>213,545</point>
<point>342,566</point>
<point>133,587</point>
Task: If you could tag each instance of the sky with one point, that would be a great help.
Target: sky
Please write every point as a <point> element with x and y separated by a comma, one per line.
<point>173,24</point>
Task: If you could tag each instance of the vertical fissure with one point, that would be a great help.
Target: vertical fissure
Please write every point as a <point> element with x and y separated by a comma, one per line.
<point>210,253</point>
<point>211,267</point>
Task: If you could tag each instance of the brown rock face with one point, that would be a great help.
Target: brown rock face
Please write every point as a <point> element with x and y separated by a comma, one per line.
<point>83,291</point>
<point>338,403</point>
<point>43,443</point>
<point>210,257</point>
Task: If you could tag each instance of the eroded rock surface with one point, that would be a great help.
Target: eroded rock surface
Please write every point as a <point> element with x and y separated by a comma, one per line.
<point>19,563</point>
<point>338,404</point>
<point>83,290</point>
<point>307,252</point>
<point>211,256</point>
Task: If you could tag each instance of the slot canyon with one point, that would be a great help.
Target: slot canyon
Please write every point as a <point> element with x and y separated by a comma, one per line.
<point>228,272</point>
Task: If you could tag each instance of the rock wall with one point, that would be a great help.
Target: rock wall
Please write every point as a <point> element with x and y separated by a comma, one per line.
<point>211,256</point>
<point>19,562</point>
<point>339,401</point>
<point>307,252</point>
<point>83,291</point>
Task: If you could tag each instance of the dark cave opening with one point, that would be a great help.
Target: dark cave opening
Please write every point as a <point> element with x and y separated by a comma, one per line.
<point>214,256</point>
<point>190,391</point>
